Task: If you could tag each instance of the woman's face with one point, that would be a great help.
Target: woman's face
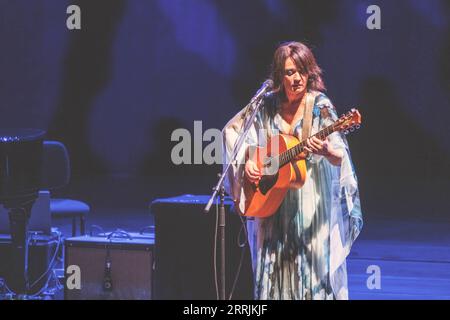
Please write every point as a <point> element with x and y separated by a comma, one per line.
<point>294,83</point>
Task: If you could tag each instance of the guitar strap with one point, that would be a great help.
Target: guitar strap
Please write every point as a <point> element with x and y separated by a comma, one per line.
<point>307,115</point>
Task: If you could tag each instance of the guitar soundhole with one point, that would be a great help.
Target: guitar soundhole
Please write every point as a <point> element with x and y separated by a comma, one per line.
<point>267,182</point>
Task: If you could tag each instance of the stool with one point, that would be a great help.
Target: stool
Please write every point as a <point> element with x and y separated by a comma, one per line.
<point>74,209</point>
<point>56,175</point>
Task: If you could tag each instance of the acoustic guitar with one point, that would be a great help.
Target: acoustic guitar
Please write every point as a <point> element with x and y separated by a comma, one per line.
<point>283,166</point>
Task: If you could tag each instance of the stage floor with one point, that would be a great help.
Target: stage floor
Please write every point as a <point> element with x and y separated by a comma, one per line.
<point>413,256</point>
<point>412,253</point>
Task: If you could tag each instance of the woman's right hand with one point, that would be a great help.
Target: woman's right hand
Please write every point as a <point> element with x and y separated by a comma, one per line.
<point>252,172</point>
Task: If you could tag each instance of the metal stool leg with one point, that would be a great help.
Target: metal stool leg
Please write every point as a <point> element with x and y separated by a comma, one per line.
<point>74,226</point>
<point>82,225</point>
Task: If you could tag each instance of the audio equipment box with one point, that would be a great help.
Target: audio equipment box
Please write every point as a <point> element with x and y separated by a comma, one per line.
<point>184,251</point>
<point>42,257</point>
<point>109,267</point>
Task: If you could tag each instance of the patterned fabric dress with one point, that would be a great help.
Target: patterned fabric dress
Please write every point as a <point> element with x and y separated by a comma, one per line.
<point>300,251</point>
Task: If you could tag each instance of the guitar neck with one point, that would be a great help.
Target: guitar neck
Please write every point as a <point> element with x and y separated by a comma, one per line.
<point>290,154</point>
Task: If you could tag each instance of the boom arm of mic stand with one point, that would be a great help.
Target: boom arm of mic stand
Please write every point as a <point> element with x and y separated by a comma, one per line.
<point>236,149</point>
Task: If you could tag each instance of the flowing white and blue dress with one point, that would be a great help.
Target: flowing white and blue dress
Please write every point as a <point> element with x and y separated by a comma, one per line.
<point>300,252</point>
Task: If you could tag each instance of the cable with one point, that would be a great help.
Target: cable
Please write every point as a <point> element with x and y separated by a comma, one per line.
<point>243,227</point>
<point>52,261</point>
<point>151,228</point>
<point>242,246</point>
<point>215,250</point>
<point>119,233</point>
<point>50,268</point>
<point>4,285</point>
<point>94,226</point>
<point>57,286</point>
<point>107,279</point>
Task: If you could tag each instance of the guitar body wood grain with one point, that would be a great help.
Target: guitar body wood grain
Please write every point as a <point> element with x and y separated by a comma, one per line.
<point>264,198</point>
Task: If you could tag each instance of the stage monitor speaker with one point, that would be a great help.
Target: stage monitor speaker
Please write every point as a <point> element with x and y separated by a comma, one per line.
<point>109,269</point>
<point>184,250</point>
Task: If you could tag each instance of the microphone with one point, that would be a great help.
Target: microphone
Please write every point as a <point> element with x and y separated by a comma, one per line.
<point>266,86</point>
<point>263,92</point>
<point>107,277</point>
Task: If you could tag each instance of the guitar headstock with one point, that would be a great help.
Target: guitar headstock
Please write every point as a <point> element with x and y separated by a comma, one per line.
<point>348,122</point>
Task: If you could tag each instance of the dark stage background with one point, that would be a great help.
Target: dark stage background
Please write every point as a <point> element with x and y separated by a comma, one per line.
<point>114,91</point>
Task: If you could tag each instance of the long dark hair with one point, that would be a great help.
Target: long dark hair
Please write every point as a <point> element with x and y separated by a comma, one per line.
<point>305,62</point>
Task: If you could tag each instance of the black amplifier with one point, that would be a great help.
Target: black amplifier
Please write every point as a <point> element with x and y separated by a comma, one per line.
<point>184,251</point>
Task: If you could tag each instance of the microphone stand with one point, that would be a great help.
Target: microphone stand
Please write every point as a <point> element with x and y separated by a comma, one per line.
<point>254,107</point>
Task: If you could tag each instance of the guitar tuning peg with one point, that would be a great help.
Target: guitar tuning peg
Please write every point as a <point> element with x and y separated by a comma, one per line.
<point>352,129</point>
<point>358,126</point>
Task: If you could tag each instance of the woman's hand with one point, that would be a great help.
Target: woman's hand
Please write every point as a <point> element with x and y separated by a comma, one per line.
<point>323,148</point>
<point>317,146</point>
<point>252,172</point>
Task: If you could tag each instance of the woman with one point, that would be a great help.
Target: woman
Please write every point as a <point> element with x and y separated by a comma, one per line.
<point>300,251</point>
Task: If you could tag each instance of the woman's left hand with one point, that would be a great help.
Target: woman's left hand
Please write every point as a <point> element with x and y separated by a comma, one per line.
<point>323,148</point>
<point>317,146</point>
